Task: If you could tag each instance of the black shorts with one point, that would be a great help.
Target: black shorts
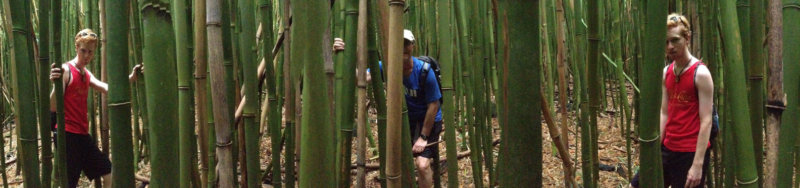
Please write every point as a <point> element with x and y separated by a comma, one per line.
<point>676,167</point>
<point>84,156</point>
<point>430,151</point>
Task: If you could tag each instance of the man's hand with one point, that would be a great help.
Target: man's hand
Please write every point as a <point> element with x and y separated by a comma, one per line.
<point>134,76</point>
<point>419,145</point>
<point>694,175</point>
<point>55,72</point>
<point>338,45</point>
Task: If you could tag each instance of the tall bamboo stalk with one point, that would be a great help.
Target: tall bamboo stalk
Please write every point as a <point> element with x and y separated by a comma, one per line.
<point>313,34</point>
<point>362,93</point>
<point>61,167</point>
<point>185,112</point>
<point>449,108</point>
<point>756,79</point>
<point>274,109</point>
<point>394,94</point>
<point>161,80</point>
<point>24,82</point>
<point>776,103</point>
<point>736,89</point>
<point>119,94</point>
<point>377,87</point>
<point>788,130</point>
<point>344,92</point>
<point>595,77</point>
<point>289,97</point>
<point>649,105</point>
<point>201,63</point>
<point>45,132</point>
<point>222,119</point>
<point>249,69</point>
<point>521,152</point>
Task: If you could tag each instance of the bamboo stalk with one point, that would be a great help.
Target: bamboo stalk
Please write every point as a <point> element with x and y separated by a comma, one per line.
<point>344,92</point>
<point>746,175</point>
<point>249,69</point>
<point>220,100</point>
<point>649,136</point>
<point>119,94</point>
<point>791,85</point>
<point>521,139</point>
<point>362,94</point>
<point>45,131</point>
<point>776,98</point>
<point>446,57</point>
<point>394,94</point>
<point>23,82</point>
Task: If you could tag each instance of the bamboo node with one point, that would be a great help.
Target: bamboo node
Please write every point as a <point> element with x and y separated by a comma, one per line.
<point>28,139</point>
<point>748,182</point>
<point>649,140</point>
<point>119,104</point>
<point>397,3</point>
<point>393,177</point>
<point>776,105</point>
<point>214,24</point>
<point>447,89</point>
<point>219,144</point>
<point>184,87</point>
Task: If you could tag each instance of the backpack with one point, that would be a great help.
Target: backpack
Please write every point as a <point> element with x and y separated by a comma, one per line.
<point>714,114</point>
<point>429,63</point>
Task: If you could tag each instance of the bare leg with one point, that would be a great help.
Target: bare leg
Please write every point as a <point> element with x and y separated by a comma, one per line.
<point>425,179</point>
<point>107,180</point>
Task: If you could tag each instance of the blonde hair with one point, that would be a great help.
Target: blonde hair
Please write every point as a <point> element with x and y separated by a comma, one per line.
<point>86,37</point>
<point>675,20</point>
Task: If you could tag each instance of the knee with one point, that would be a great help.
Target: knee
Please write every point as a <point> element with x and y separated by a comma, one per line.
<point>423,164</point>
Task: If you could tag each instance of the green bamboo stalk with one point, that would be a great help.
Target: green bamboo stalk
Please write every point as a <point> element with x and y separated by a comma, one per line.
<point>461,11</point>
<point>788,130</point>
<point>312,33</point>
<point>222,119</point>
<point>274,110</point>
<point>60,164</point>
<point>249,69</point>
<point>161,80</point>
<point>119,94</point>
<point>184,74</point>
<point>23,82</point>
<point>746,174</point>
<point>756,79</point>
<point>212,136</point>
<point>649,105</point>
<point>595,78</point>
<point>289,97</point>
<point>45,132</point>
<point>445,44</point>
<point>520,153</point>
<point>377,88</point>
<point>344,92</point>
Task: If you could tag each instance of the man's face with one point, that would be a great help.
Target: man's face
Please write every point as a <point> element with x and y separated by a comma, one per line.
<point>407,50</point>
<point>85,53</point>
<point>676,43</point>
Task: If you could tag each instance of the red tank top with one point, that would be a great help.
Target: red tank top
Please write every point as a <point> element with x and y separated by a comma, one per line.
<point>683,110</point>
<point>75,94</point>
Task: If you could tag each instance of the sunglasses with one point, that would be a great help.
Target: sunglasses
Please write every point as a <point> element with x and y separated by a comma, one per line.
<point>83,34</point>
<point>676,19</point>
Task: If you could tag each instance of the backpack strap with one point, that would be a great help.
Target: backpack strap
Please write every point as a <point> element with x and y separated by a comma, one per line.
<point>426,67</point>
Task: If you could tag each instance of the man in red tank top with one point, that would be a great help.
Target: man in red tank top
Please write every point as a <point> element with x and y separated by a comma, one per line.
<point>82,152</point>
<point>686,110</point>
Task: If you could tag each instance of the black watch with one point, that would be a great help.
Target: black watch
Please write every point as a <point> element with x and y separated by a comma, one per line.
<point>423,137</point>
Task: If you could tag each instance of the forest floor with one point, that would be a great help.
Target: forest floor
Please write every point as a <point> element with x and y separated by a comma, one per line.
<point>612,152</point>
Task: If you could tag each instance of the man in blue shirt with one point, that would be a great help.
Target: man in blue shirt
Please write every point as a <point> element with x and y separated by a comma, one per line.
<point>424,114</point>
<point>422,98</point>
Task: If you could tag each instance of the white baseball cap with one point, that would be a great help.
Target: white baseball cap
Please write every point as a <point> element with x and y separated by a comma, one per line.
<point>408,35</point>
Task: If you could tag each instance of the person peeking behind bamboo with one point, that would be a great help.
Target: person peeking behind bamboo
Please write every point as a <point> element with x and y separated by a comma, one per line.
<point>82,152</point>
<point>423,99</point>
<point>686,111</point>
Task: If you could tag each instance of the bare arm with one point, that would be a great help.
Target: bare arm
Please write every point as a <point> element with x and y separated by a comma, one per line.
<point>98,85</point>
<point>664,98</point>
<point>705,92</point>
<point>430,118</point>
<point>63,76</point>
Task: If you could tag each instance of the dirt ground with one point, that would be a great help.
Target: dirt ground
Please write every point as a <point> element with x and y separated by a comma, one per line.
<point>611,152</point>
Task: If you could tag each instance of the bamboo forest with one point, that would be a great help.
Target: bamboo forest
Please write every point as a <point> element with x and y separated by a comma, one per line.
<point>310,93</point>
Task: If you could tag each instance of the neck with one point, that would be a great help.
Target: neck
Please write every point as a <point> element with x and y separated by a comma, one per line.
<point>77,63</point>
<point>684,61</point>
